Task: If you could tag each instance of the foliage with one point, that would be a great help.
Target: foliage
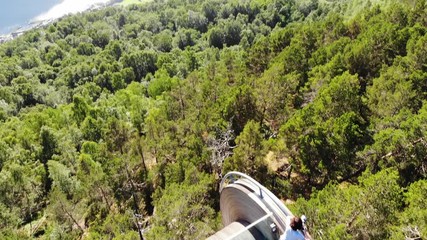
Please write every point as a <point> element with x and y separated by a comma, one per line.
<point>364,211</point>
<point>413,219</point>
<point>122,120</point>
<point>184,210</point>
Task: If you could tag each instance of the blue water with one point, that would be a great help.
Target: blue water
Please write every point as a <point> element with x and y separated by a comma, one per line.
<point>16,13</point>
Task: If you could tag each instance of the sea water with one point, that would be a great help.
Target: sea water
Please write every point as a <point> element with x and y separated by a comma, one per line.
<point>18,13</point>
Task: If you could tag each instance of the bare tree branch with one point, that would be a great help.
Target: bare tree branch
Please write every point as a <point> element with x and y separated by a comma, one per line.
<point>221,149</point>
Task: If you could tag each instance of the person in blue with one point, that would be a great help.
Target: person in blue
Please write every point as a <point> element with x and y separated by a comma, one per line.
<point>295,230</point>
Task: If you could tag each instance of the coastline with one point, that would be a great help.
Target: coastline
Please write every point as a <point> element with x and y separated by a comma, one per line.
<point>41,23</point>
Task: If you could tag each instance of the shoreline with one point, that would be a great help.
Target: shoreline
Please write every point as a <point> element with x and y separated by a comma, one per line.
<point>19,31</point>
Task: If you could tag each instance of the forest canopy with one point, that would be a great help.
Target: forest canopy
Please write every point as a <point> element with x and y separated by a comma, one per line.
<point>124,119</point>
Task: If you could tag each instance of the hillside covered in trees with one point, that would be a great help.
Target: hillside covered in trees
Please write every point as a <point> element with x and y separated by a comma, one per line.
<point>127,117</point>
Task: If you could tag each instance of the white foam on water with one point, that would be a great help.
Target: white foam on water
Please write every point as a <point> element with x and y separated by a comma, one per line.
<point>67,7</point>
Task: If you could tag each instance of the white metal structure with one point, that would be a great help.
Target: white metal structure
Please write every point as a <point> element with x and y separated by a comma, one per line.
<point>249,210</point>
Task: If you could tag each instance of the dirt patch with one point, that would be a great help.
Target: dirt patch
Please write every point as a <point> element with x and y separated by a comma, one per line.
<point>274,163</point>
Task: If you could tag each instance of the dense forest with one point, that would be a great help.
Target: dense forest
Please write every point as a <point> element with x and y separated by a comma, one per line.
<point>126,118</point>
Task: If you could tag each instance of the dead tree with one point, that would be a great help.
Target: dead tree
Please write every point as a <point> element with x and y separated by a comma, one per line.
<point>221,149</point>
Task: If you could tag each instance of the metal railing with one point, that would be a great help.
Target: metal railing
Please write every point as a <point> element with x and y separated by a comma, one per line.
<point>262,192</point>
<point>262,219</point>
